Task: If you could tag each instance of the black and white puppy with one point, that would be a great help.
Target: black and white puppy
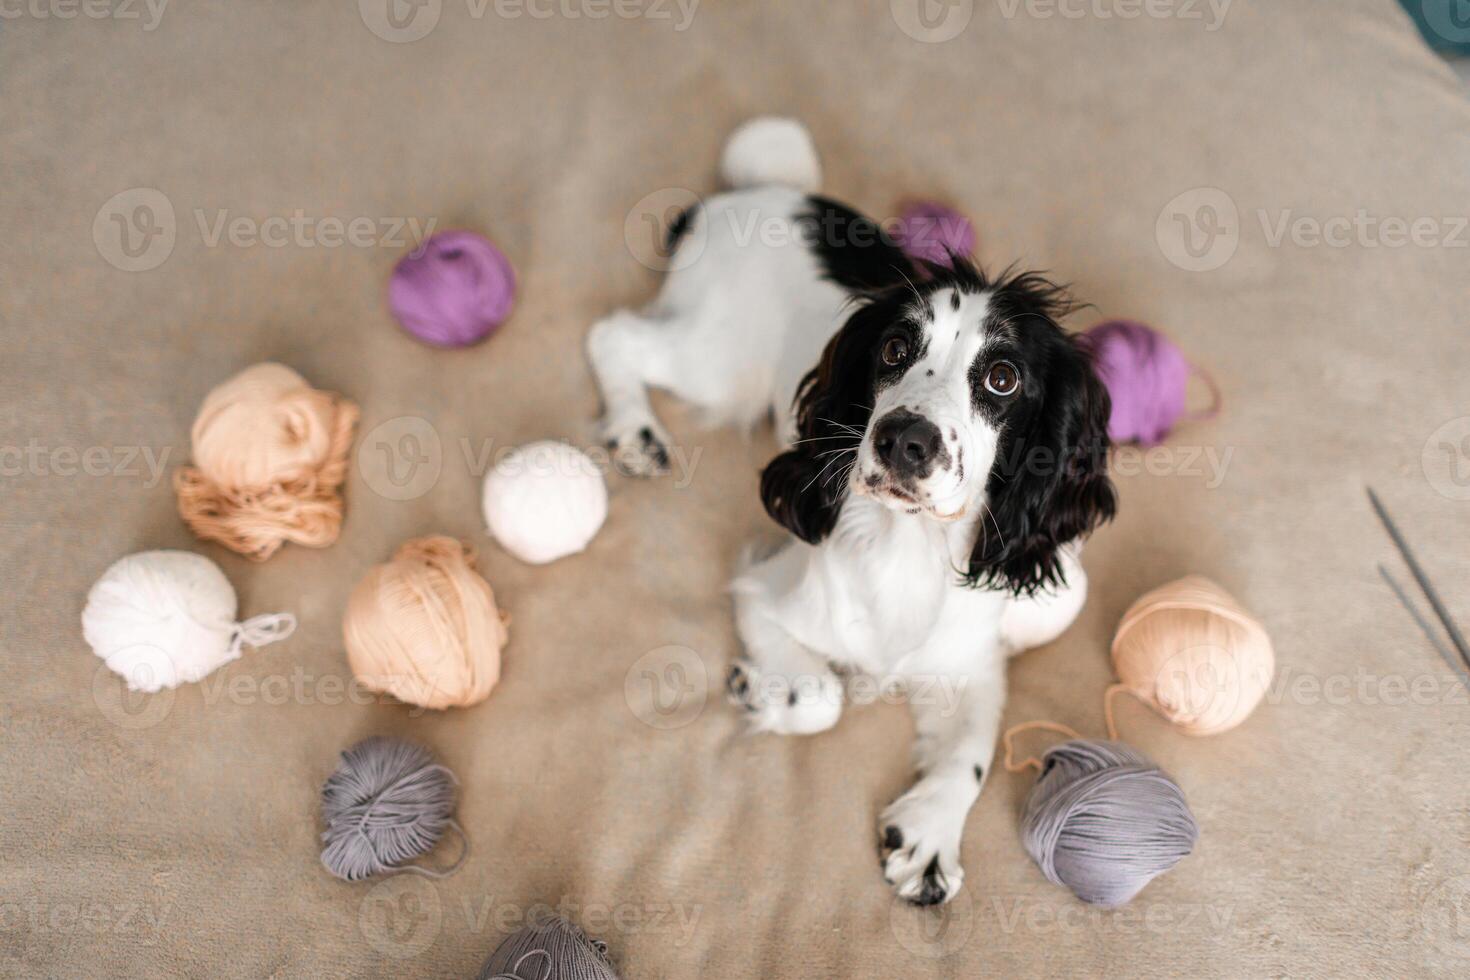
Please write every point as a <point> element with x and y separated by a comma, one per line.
<point>944,458</point>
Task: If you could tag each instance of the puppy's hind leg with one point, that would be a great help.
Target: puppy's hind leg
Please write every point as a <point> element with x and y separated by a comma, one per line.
<point>629,352</point>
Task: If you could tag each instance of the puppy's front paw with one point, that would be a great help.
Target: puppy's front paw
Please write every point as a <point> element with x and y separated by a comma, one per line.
<point>804,705</point>
<point>919,844</point>
<point>639,450</point>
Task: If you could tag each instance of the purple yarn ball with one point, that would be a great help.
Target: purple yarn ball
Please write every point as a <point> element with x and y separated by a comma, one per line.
<point>1146,376</point>
<point>453,290</point>
<point>931,231</point>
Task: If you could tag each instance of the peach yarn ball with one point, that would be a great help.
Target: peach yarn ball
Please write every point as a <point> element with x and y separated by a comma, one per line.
<point>425,628</point>
<point>270,454</point>
<point>1189,651</point>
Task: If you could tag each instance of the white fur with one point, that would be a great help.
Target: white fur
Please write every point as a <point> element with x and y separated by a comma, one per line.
<point>734,331</point>
<point>771,150</point>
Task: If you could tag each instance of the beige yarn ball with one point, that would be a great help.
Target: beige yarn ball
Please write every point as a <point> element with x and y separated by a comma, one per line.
<point>270,453</point>
<point>1192,653</point>
<point>425,628</point>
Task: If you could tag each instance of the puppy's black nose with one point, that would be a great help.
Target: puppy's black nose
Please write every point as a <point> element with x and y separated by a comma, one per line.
<point>908,443</point>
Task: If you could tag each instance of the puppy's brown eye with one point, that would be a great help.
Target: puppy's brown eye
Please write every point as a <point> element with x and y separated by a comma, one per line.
<point>895,351</point>
<point>1003,378</point>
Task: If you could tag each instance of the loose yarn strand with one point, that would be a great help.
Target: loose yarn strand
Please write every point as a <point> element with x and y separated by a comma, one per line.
<point>257,631</point>
<point>1014,730</point>
<point>1217,400</point>
<point>1196,605</point>
<point>1108,708</point>
<point>428,872</point>
<point>515,973</point>
<point>1008,739</point>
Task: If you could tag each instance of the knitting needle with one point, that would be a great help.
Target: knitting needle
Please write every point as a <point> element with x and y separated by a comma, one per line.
<point>1429,632</point>
<point>1429,593</point>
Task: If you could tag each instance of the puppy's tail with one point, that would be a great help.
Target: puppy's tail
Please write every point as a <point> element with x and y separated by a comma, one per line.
<point>771,150</point>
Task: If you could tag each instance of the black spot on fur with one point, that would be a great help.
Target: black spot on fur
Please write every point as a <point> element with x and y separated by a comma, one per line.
<point>932,892</point>
<point>653,447</point>
<point>735,681</point>
<point>954,300</point>
<point>979,774</point>
<point>679,227</point>
<point>892,837</point>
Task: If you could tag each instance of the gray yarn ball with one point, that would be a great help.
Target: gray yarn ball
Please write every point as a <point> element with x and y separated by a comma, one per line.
<point>552,949</point>
<point>387,803</point>
<point>1105,821</point>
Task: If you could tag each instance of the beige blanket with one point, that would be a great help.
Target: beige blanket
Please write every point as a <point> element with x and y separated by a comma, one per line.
<point>1281,184</point>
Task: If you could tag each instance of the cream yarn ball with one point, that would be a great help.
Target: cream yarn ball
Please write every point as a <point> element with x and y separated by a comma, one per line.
<point>1193,654</point>
<point>265,425</point>
<point>544,501</point>
<point>424,627</point>
<point>270,457</point>
<point>165,618</point>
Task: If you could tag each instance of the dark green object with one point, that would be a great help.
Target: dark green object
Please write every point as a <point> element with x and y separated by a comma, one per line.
<point>1445,24</point>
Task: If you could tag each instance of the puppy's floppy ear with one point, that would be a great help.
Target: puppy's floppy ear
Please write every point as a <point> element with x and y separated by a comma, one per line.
<point>1049,484</point>
<point>803,488</point>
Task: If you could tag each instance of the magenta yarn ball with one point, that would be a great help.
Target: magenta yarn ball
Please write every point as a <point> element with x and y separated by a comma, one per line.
<point>931,231</point>
<point>453,290</point>
<point>1146,376</point>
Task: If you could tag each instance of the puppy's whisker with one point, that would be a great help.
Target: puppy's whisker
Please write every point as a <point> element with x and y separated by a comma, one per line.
<point>841,474</point>
<point>924,303</point>
<point>998,532</point>
<point>798,442</point>
<point>843,426</point>
<point>819,474</point>
<point>833,452</point>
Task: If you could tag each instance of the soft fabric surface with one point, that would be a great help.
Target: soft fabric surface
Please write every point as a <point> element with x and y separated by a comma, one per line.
<point>178,835</point>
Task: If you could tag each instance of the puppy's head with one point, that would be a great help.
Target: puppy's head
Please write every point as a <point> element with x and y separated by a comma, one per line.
<point>957,397</point>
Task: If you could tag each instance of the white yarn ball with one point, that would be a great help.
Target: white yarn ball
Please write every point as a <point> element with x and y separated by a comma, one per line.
<point>165,618</point>
<point>544,501</point>
<point>771,150</point>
